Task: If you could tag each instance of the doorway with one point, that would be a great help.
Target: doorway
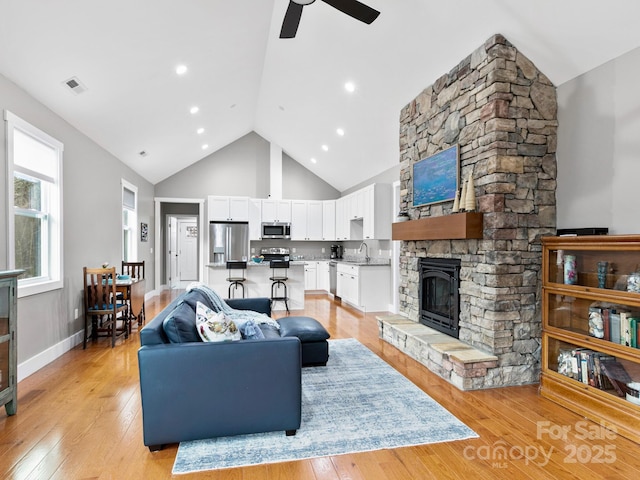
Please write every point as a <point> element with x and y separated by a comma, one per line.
<point>174,270</point>
<point>182,250</point>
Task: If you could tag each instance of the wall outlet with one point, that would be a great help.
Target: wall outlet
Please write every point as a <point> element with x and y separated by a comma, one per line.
<point>151,250</point>
<point>253,250</point>
<point>380,252</point>
<point>293,250</point>
<point>322,249</point>
<point>75,313</point>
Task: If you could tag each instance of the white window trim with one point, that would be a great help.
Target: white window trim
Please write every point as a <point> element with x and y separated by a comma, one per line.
<point>130,186</point>
<point>56,250</point>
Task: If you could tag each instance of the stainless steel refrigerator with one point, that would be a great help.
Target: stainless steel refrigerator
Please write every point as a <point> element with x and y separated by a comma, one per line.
<point>228,242</point>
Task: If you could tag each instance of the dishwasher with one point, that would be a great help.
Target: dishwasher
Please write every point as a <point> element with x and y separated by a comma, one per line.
<point>333,277</point>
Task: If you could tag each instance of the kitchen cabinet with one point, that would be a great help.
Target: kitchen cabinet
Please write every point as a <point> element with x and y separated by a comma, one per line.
<point>343,227</point>
<point>310,275</point>
<point>322,276</point>
<point>377,215</point>
<point>306,220</point>
<point>8,349</point>
<point>590,312</point>
<point>255,219</point>
<point>365,214</point>
<point>226,209</point>
<point>276,211</point>
<point>329,220</point>
<point>366,288</point>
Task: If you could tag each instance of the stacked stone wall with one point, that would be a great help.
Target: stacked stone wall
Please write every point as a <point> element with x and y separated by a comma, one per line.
<point>502,112</point>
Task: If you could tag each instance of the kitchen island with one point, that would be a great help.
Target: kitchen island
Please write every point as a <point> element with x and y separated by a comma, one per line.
<point>257,283</point>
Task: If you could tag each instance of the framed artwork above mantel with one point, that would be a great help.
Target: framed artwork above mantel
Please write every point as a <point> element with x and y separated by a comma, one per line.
<point>436,178</point>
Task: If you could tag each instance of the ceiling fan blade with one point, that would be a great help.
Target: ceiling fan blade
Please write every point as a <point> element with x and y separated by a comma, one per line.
<point>291,20</point>
<point>357,10</point>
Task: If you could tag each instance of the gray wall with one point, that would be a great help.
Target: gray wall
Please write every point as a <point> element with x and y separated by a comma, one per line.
<point>598,145</point>
<point>242,169</point>
<point>92,219</point>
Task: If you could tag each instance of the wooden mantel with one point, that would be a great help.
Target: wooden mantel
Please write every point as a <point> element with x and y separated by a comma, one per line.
<point>456,226</point>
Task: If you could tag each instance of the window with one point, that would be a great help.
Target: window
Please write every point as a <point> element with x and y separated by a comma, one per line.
<point>129,222</point>
<point>34,189</point>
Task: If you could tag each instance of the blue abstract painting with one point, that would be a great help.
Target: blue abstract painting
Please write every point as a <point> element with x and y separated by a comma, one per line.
<point>435,178</point>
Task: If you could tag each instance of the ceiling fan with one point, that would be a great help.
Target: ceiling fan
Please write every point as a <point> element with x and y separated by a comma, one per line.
<point>353,8</point>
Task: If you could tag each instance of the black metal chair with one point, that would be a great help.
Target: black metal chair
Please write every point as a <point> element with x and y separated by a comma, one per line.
<point>235,280</point>
<point>279,277</point>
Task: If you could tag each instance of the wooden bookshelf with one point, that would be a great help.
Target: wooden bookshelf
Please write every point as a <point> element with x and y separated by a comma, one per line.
<point>456,226</point>
<point>573,350</point>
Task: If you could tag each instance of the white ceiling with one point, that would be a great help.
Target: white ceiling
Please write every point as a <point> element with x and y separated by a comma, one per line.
<point>244,78</point>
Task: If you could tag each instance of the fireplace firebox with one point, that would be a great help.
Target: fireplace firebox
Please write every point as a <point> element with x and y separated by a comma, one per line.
<point>439,295</point>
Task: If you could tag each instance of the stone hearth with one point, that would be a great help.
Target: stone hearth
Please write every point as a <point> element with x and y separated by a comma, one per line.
<point>502,112</point>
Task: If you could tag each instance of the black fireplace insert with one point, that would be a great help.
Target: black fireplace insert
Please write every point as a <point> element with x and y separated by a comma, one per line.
<point>439,294</point>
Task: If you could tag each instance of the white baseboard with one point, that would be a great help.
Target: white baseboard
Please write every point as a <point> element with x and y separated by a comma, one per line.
<point>42,359</point>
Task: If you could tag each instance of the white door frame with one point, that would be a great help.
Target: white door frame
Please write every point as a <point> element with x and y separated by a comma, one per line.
<point>158,239</point>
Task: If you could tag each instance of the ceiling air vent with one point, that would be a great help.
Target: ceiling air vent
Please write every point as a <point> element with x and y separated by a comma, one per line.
<point>75,85</point>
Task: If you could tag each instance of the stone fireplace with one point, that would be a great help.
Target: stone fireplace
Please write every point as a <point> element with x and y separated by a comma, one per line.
<point>502,112</point>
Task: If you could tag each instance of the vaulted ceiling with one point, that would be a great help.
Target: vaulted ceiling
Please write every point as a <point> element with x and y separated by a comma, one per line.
<point>244,78</point>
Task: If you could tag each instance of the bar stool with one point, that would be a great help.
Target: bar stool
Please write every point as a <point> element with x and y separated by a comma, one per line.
<point>234,280</point>
<point>279,280</point>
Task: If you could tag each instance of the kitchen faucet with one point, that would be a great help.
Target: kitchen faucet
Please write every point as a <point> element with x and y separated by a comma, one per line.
<point>366,251</point>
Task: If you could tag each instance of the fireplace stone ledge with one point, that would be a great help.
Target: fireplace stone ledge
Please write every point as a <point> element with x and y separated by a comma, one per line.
<point>465,367</point>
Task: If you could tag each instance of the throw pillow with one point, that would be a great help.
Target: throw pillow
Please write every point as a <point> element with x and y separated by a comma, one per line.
<point>215,327</point>
<point>180,325</point>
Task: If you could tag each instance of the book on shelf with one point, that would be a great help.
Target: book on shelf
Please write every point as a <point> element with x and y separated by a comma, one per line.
<point>617,375</point>
<point>607,323</point>
<point>625,328</point>
<point>615,326</point>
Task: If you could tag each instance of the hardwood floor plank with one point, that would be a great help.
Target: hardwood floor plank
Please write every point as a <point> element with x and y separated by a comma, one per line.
<point>80,417</point>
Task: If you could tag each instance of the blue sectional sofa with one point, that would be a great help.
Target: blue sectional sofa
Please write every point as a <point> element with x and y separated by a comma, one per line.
<point>193,390</point>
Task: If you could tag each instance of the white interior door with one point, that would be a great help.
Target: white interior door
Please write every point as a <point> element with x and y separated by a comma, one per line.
<point>188,250</point>
<point>172,252</point>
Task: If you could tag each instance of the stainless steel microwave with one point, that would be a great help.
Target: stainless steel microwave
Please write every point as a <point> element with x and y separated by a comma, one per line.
<point>276,230</point>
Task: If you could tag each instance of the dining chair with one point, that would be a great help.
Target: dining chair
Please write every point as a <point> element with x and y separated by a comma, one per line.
<point>101,306</point>
<point>134,270</point>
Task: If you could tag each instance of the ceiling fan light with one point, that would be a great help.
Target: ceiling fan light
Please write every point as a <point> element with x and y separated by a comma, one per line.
<point>303,2</point>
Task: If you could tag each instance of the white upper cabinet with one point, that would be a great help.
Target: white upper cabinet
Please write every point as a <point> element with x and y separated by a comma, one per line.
<point>378,217</point>
<point>329,220</point>
<point>255,219</point>
<point>306,220</point>
<point>234,209</point>
<point>276,211</point>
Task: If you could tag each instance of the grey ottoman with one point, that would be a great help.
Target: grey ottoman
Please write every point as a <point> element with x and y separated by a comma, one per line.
<point>313,337</point>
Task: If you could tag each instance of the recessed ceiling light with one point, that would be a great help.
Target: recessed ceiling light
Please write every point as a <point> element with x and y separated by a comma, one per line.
<point>181,69</point>
<point>205,146</point>
<point>233,105</point>
<point>350,87</point>
<point>200,131</point>
<point>313,160</point>
<point>340,132</point>
<point>143,153</point>
<point>325,148</point>
<point>194,110</point>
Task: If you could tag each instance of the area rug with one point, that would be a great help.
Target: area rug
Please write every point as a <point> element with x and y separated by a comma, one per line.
<point>356,403</point>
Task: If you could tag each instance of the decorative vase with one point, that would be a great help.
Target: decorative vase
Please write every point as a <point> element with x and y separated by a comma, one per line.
<point>456,203</point>
<point>402,217</point>
<point>603,267</point>
<point>463,195</point>
<point>470,197</point>
<point>570,272</point>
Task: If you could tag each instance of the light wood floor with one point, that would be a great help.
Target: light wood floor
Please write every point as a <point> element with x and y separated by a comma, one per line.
<point>80,418</point>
